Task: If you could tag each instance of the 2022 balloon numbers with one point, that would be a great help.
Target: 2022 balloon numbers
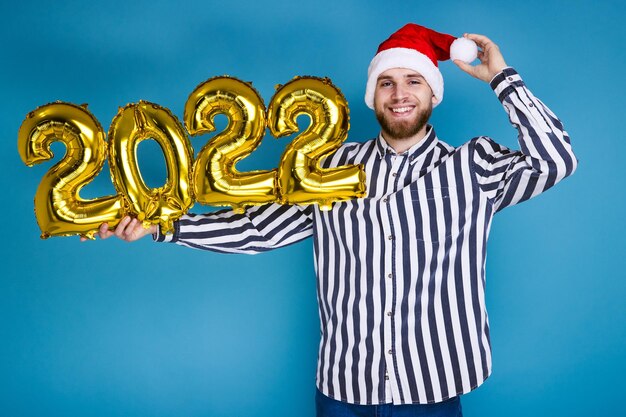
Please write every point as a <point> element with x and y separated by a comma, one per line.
<point>212,178</point>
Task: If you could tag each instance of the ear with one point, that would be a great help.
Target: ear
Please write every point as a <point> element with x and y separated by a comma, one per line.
<point>433,100</point>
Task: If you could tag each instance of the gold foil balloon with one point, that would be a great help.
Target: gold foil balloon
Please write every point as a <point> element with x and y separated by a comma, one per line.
<point>213,178</point>
<point>300,178</point>
<point>133,124</point>
<point>216,180</point>
<point>59,209</point>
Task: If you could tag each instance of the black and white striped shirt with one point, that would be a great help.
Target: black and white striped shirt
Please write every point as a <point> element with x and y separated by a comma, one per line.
<point>401,273</point>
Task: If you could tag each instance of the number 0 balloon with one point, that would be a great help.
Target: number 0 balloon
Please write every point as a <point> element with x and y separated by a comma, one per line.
<point>133,124</point>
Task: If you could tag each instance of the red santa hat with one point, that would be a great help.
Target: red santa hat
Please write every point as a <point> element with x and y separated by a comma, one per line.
<point>418,48</point>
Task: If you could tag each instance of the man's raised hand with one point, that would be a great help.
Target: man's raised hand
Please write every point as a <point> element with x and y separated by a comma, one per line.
<point>491,59</point>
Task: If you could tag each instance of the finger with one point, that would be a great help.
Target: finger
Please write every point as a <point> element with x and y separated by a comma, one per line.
<point>120,229</point>
<point>130,231</point>
<point>106,235</point>
<point>104,231</point>
<point>481,40</point>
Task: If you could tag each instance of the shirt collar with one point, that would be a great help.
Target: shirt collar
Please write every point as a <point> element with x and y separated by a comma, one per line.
<point>421,148</point>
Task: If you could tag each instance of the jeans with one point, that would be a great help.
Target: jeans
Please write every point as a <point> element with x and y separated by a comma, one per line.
<point>327,407</point>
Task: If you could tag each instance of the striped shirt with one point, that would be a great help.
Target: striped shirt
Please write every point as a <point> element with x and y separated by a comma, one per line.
<point>401,272</point>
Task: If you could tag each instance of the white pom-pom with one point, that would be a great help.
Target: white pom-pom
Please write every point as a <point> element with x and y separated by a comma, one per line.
<point>464,50</point>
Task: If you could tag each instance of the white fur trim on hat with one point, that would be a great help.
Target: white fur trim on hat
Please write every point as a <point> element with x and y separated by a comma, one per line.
<point>403,58</point>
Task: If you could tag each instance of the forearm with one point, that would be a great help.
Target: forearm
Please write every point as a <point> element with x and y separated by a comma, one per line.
<point>259,229</point>
<point>542,138</point>
<point>545,146</point>
<point>545,156</point>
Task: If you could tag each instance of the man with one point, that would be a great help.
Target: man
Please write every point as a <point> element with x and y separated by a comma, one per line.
<point>401,272</point>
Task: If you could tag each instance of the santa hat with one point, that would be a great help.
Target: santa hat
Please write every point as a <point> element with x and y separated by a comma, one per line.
<point>418,48</point>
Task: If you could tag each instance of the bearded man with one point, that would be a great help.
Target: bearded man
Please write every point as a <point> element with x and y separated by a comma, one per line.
<point>401,272</point>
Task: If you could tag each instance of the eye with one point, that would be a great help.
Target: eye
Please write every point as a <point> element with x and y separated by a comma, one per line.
<point>386,83</point>
<point>415,81</point>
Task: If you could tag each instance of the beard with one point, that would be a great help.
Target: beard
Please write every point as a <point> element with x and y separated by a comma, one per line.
<point>398,130</point>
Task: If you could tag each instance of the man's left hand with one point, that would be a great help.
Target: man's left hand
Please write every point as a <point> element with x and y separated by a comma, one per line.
<point>491,59</point>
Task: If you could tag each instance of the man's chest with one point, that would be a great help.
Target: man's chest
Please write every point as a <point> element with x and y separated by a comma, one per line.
<point>429,199</point>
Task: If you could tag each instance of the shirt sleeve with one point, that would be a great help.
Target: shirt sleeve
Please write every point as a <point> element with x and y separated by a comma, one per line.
<point>258,229</point>
<point>508,176</point>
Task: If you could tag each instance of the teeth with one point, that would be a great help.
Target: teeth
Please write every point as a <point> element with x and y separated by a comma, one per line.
<point>401,110</point>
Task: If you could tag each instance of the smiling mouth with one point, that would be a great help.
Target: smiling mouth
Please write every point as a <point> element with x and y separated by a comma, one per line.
<point>402,110</point>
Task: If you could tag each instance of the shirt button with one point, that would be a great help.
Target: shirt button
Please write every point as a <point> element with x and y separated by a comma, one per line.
<point>390,276</point>
<point>390,351</point>
<point>389,313</point>
<point>531,105</point>
<point>510,78</point>
<point>385,200</point>
<point>390,237</point>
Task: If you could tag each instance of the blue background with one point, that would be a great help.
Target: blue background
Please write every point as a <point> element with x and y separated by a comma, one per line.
<point>145,329</point>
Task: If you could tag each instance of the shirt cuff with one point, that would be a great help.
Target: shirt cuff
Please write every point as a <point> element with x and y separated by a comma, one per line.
<point>505,82</point>
<point>159,236</point>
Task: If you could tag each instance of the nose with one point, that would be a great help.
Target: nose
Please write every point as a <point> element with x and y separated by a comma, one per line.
<point>399,92</point>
